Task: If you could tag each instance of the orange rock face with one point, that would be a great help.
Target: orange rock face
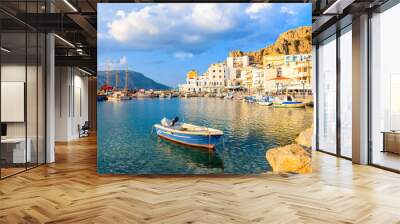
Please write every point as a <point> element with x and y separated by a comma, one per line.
<point>305,138</point>
<point>295,41</point>
<point>291,158</point>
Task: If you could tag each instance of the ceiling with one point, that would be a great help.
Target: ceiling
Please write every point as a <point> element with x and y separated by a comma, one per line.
<point>331,15</point>
<point>75,22</point>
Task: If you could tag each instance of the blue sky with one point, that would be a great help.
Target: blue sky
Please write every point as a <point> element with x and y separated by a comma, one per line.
<point>164,41</point>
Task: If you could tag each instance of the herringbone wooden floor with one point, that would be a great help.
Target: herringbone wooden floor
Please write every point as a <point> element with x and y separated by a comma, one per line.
<point>70,191</point>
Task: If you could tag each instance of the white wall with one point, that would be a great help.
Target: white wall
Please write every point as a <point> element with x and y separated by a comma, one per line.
<point>80,110</point>
<point>12,73</point>
<point>33,126</point>
<point>71,103</point>
<point>9,73</point>
<point>62,82</point>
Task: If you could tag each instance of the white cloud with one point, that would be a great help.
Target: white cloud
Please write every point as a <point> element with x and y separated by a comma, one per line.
<point>213,17</point>
<point>255,9</point>
<point>113,64</point>
<point>120,13</point>
<point>182,26</point>
<point>183,55</point>
<point>123,60</point>
<point>286,10</point>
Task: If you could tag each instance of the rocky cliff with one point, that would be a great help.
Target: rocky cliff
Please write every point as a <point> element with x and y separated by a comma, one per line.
<point>295,41</point>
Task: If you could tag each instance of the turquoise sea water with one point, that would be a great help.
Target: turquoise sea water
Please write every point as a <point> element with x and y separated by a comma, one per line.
<point>126,144</point>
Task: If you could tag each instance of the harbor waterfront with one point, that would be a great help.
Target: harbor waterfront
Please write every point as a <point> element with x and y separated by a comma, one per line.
<point>127,143</point>
<point>220,97</point>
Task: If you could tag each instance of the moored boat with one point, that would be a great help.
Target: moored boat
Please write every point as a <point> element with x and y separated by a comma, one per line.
<point>188,134</point>
<point>289,102</point>
<point>229,96</point>
<point>101,97</point>
<point>249,99</point>
<point>125,97</point>
<point>265,103</point>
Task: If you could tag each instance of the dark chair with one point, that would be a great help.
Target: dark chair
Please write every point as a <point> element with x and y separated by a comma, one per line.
<point>84,130</point>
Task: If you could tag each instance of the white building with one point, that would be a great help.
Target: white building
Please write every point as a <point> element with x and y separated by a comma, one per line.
<point>192,84</point>
<point>214,80</point>
<point>258,80</point>
<point>237,70</point>
<point>216,77</point>
<point>289,72</point>
<point>239,62</point>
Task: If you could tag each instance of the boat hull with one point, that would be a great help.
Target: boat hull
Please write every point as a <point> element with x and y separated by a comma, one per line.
<point>101,98</point>
<point>289,105</point>
<point>193,140</point>
<point>265,103</point>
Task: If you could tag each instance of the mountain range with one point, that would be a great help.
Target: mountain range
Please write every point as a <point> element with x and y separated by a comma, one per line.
<point>136,80</point>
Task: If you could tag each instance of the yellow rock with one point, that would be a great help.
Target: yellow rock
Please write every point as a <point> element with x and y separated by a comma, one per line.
<point>305,138</point>
<point>291,158</point>
<point>295,41</point>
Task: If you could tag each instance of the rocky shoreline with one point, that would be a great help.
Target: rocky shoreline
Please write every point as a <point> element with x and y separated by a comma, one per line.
<point>294,158</point>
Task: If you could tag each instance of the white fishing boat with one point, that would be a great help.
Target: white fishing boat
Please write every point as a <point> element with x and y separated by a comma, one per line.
<point>188,134</point>
<point>288,102</point>
<point>265,103</point>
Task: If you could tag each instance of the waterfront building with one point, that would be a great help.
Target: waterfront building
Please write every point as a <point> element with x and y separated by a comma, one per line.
<point>191,84</point>
<point>216,76</point>
<point>247,78</point>
<point>273,77</point>
<point>202,83</point>
<point>239,62</point>
<point>288,73</point>
<point>214,80</point>
<point>237,71</point>
<point>300,66</point>
<point>234,79</point>
<point>258,80</point>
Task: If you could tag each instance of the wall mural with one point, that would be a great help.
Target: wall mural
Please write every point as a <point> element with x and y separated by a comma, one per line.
<point>204,88</point>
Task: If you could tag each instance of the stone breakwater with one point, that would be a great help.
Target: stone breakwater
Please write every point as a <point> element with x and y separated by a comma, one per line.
<point>294,158</point>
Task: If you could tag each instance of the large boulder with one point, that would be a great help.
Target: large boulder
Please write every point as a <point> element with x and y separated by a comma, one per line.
<point>291,158</point>
<point>305,138</point>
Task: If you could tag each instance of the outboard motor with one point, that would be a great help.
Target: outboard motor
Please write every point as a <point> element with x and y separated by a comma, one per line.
<point>176,119</point>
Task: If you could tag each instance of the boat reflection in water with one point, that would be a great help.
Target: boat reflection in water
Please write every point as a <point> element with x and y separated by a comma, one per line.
<point>193,156</point>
